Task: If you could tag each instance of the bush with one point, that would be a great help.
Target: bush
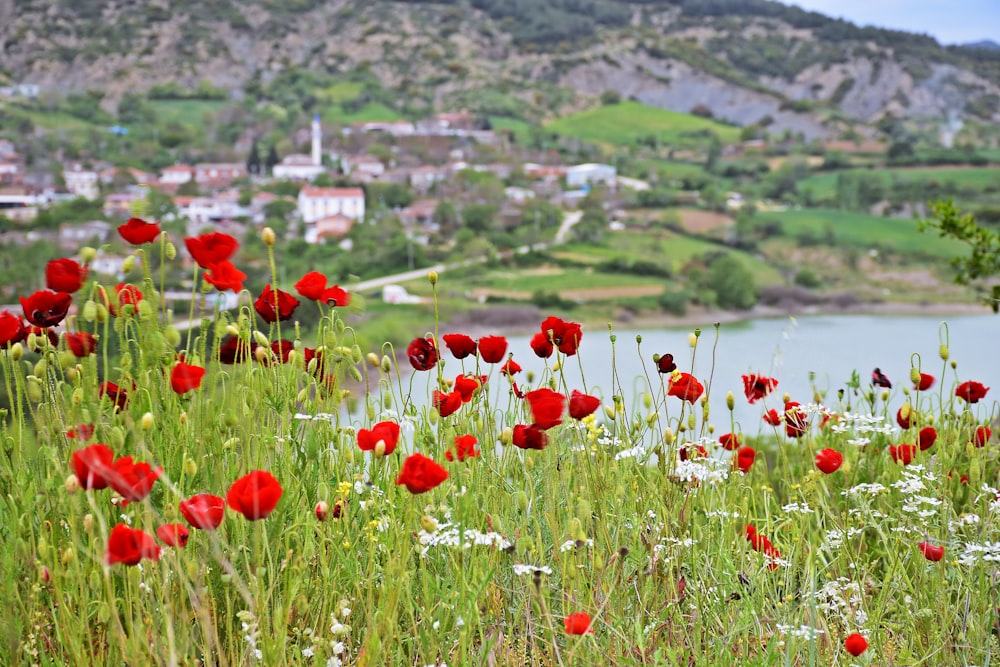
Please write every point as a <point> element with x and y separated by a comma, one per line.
<point>807,278</point>
<point>674,302</point>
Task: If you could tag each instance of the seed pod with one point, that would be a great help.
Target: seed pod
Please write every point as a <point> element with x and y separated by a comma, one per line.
<point>731,401</point>
<point>16,352</point>
<point>268,236</point>
<point>171,250</point>
<point>428,523</point>
<point>432,277</point>
<point>943,352</point>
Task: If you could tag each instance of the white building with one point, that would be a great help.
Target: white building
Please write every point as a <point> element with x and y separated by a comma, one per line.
<point>298,167</point>
<point>82,182</point>
<point>317,203</point>
<point>177,174</point>
<point>331,227</point>
<point>366,167</point>
<point>590,174</point>
<point>219,173</point>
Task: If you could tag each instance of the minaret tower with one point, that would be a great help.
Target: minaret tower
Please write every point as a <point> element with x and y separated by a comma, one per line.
<point>317,142</point>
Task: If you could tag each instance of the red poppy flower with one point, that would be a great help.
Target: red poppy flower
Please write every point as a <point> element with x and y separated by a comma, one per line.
<point>729,441</point>
<point>758,541</point>
<point>125,295</point>
<point>465,448</point>
<point>336,297</point>
<point>546,407</point>
<point>796,420</point>
<point>94,466</point>
<point>902,453</point>
<point>82,432</point>
<point>564,335</point>
<point>81,344</point>
<point>772,417</point>
<point>173,534</point>
<point>665,364</point>
<point>855,644</point>
<point>692,451</point>
<point>422,353</point>
<point>133,481</point>
<point>322,510</point>
<point>982,436</point>
<point>129,546</point>
<point>137,231</point>
<point>582,405</point>
<point>925,383</point>
<point>972,392</point>
<point>492,348</point>
<point>529,437</point>
<point>542,345</point>
<point>65,275</point>
<point>685,387</point>
<point>45,308</point>
<point>903,416</point>
<point>233,349</point>
<point>466,386</point>
<point>264,305</point>
<point>311,285</point>
<point>880,380</point>
<point>460,345</point>
<point>386,432</point>
<point>11,329</point>
<point>447,404</point>
<point>185,377</point>
<point>745,457</point>
<point>931,552</point>
<point>282,349</point>
<point>255,495</point>
<point>203,511</point>
<point>926,437</point>
<point>756,387</point>
<point>829,460</point>
<point>420,474</point>
<point>224,276</point>
<point>117,395</point>
<point>578,624</point>
<point>510,368</point>
<point>211,249</point>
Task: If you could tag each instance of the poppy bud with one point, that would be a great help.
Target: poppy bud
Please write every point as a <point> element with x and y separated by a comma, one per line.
<point>182,418</point>
<point>260,354</point>
<point>34,389</point>
<point>522,501</point>
<point>507,436</point>
<point>268,237</point>
<point>668,436</point>
<point>583,510</point>
<point>67,556</point>
<point>651,418</point>
<point>117,438</point>
<point>691,421</point>
<point>638,339</point>
<point>428,523</point>
<point>943,352</point>
<point>261,339</point>
<point>77,396</point>
<point>41,367</point>
<point>16,352</point>
<point>88,523</point>
<point>87,254</point>
<point>730,401</point>
<point>556,366</point>
<point>171,250</point>
<point>885,395</point>
<point>355,373</point>
<point>432,277</point>
<point>128,264</point>
<point>190,467</point>
<point>915,376</point>
<point>322,510</point>
<point>610,412</point>
<point>692,339</point>
<point>72,484</point>
<point>953,363</point>
<point>647,400</point>
<point>711,429</point>
<point>89,311</point>
<point>380,448</point>
<point>373,359</point>
<point>102,313</point>
<point>386,363</point>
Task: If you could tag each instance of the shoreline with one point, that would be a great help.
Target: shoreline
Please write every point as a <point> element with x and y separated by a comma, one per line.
<point>704,318</point>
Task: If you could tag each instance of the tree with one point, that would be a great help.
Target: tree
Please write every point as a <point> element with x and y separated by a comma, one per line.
<point>253,160</point>
<point>984,259</point>
<point>733,283</point>
<point>271,160</point>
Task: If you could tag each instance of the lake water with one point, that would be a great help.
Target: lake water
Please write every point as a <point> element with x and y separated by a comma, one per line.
<point>788,349</point>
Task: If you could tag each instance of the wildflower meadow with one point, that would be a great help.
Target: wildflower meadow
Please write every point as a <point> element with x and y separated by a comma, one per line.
<point>240,492</point>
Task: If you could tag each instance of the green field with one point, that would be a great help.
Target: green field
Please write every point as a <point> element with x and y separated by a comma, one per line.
<point>670,247</point>
<point>866,231</point>
<point>520,128</point>
<point>625,123</point>
<point>343,91</point>
<point>187,112</point>
<point>824,185</point>
<point>372,111</point>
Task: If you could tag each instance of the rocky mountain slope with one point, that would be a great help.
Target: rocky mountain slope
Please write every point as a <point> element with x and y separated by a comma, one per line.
<point>746,61</point>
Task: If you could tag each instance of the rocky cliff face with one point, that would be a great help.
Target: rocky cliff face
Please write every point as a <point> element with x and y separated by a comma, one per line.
<point>440,52</point>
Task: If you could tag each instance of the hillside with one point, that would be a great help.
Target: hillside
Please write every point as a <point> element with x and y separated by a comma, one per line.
<point>745,61</point>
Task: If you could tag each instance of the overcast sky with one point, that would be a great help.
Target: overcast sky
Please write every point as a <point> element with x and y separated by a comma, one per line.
<point>950,21</point>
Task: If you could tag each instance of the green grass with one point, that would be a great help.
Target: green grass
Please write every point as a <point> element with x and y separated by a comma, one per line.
<point>824,185</point>
<point>186,112</point>
<point>866,231</point>
<point>569,279</point>
<point>521,129</point>
<point>625,123</point>
<point>343,91</point>
<point>372,111</point>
